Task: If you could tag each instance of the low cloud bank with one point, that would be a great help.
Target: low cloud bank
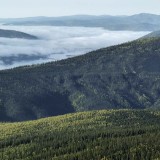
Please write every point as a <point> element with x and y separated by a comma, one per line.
<point>56,43</point>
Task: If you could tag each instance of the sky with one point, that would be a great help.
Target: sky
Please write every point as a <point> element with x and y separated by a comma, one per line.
<point>30,8</point>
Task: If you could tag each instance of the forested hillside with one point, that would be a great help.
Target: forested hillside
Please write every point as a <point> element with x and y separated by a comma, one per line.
<point>96,135</point>
<point>122,76</point>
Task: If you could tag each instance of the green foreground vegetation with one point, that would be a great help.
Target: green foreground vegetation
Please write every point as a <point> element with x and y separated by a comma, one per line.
<point>94,135</point>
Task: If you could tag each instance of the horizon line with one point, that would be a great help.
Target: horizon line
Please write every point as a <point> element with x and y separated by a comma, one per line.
<point>70,15</point>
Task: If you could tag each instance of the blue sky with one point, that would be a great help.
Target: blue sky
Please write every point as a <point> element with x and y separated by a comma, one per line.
<point>29,8</point>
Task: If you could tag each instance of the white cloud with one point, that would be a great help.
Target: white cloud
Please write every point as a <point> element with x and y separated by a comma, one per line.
<point>58,43</point>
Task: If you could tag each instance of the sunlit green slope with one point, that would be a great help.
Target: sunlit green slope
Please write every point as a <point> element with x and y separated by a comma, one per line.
<point>95,135</point>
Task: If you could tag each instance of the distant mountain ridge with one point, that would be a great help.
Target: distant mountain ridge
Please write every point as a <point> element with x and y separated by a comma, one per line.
<point>15,34</point>
<point>138,22</point>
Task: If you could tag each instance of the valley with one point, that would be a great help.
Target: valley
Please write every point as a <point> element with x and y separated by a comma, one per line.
<point>81,86</point>
<point>55,43</point>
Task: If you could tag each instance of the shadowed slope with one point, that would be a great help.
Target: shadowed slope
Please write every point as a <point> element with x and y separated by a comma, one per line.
<point>122,76</point>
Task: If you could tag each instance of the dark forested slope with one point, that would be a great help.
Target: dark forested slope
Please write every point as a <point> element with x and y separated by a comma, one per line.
<point>123,76</point>
<point>15,34</point>
<point>96,135</point>
<point>153,34</point>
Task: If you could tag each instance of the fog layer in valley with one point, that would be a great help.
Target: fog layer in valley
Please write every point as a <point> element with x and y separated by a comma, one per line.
<point>56,43</point>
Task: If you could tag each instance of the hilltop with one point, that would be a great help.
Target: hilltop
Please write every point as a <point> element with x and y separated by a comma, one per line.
<point>97,135</point>
<point>15,34</point>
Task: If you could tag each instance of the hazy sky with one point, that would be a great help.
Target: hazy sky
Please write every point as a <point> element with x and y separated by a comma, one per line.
<point>28,8</point>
